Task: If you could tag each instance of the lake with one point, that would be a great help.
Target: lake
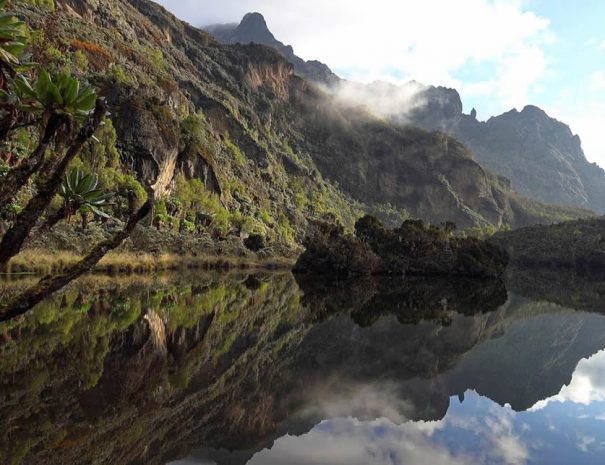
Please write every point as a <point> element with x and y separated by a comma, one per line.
<point>267,369</point>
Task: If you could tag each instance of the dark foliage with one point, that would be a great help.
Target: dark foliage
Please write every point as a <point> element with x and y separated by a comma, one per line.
<point>255,242</point>
<point>330,250</point>
<point>414,248</point>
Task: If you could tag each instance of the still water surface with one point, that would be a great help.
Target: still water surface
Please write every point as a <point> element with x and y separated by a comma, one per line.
<point>232,369</point>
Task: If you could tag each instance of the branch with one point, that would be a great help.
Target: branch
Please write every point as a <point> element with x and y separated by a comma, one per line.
<point>16,178</point>
<point>13,239</point>
<point>50,284</point>
<point>26,124</point>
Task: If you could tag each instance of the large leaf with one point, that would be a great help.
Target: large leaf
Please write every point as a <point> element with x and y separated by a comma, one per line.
<point>43,86</point>
<point>97,211</point>
<point>13,39</point>
<point>23,86</point>
<point>86,100</point>
<point>71,91</point>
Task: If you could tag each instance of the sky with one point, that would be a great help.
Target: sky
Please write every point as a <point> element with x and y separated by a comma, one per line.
<point>499,54</point>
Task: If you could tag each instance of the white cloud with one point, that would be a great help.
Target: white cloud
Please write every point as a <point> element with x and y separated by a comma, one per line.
<point>496,433</point>
<point>351,442</point>
<point>382,98</point>
<point>424,40</point>
<point>336,397</point>
<point>585,442</point>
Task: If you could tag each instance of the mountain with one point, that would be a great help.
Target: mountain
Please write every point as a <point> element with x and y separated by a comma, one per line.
<point>253,29</point>
<point>541,156</point>
<point>232,136</point>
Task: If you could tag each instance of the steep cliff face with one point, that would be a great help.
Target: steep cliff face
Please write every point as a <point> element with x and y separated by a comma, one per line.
<point>253,29</point>
<point>540,155</point>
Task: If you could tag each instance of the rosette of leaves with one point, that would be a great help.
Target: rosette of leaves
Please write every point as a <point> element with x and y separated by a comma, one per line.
<point>14,41</point>
<point>82,192</point>
<point>61,96</point>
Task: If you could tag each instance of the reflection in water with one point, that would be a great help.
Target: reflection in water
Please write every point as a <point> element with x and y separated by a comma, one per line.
<point>476,432</point>
<point>587,386</point>
<point>267,370</point>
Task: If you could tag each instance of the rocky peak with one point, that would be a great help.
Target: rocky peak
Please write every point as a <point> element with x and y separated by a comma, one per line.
<point>254,27</point>
<point>436,107</point>
<point>532,110</point>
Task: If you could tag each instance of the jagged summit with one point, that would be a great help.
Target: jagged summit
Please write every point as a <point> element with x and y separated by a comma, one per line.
<point>253,29</point>
<point>254,25</point>
<point>540,155</point>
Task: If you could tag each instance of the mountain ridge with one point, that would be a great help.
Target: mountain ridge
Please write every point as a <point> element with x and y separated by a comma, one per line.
<point>539,154</point>
<point>546,163</point>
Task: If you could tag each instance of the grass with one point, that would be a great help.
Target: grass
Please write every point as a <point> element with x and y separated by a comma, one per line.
<point>38,261</point>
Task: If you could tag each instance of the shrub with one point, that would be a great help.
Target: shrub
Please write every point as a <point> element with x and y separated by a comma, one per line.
<point>96,54</point>
<point>238,156</point>
<point>118,73</point>
<point>155,57</point>
<point>48,4</point>
<point>255,242</point>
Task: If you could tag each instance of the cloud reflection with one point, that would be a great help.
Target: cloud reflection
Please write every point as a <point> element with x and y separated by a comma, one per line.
<point>488,437</point>
<point>352,442</point>
<point>587,384</point>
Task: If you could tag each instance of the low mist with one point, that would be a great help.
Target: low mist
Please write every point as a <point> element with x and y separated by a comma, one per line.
<point>383,99</point>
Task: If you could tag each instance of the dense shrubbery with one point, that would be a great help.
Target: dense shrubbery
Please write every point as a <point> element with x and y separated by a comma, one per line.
<point>413,248</point>
<point>330,250</point>
<point>574,244</point>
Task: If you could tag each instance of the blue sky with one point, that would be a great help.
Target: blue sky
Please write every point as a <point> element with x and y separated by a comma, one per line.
<point>499,54</point>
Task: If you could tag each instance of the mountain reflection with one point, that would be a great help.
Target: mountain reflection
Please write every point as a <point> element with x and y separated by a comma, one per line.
<point>265,369</point>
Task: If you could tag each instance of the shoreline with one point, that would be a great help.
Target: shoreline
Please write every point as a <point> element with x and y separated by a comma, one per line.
<point>39,262</point>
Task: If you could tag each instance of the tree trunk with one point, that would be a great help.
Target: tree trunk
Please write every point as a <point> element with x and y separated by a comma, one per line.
<point>16,178</point>
<point>84,216</point>
<point>13,239</point>
<point>50,284</point>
